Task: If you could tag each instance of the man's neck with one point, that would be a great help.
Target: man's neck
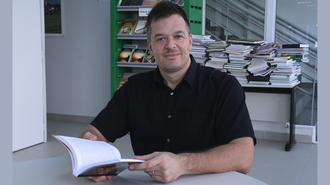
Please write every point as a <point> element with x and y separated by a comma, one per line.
<point>173,79</point>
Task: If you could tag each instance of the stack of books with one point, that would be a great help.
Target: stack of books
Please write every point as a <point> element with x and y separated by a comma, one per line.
<point>216,56</point>
<point>238,52</point>
<point>238,68</point>
<point>198,49</point>
<point>298,52</point>
<point>259,68</point>
<point>266,50</point>
<point>286,72</point>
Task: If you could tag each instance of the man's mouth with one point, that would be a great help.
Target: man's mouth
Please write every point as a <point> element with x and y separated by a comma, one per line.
<point>171,54</point>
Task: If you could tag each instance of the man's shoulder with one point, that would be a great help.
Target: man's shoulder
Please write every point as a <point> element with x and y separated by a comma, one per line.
<point>141,78</point>
<point>210,72</point>
<point>142,75</point>
<point>213,78</point>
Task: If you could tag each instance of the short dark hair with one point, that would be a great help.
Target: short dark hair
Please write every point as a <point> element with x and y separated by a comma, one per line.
<point>165,9</point>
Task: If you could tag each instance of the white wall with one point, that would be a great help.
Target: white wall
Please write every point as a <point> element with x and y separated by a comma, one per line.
<point>78,63</point>
<point>28,74</point>
<point>323,150</point>
<point>6,81</point>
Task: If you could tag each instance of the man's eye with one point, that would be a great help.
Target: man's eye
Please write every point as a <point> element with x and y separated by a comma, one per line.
<point>160,39</point>
<point>178,36</point>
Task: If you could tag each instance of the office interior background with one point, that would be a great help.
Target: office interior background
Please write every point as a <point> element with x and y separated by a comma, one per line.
<point>77,61</point>
<point>78,67</point>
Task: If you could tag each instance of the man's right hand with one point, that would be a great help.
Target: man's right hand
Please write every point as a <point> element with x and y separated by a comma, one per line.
<point>100,178</point>
<point>92,137</point>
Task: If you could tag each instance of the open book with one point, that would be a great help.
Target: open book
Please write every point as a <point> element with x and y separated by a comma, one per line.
<point>94,158</point>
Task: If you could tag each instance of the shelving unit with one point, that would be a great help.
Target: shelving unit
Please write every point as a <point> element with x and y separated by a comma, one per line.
<point>193,9</point>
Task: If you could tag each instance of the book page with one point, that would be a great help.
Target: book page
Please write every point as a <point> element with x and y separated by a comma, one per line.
<point>90,153</point>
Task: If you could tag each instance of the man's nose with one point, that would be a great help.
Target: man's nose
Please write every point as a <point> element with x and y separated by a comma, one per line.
<point>170,43</point>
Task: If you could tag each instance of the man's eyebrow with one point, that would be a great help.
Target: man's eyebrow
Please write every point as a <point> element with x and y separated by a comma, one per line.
<point>161,34</point>
<point>158,35</point>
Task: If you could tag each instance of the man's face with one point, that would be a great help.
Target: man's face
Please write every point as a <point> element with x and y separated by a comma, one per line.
<point>170,43</point>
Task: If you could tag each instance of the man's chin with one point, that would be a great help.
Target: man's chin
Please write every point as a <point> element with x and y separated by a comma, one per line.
<point>171,68</point>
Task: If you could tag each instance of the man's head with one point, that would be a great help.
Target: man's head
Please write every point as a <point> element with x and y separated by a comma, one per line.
<point>165,9</point>
<point>169,38</point>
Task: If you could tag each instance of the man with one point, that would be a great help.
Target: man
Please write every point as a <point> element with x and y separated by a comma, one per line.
<point>183,118</point>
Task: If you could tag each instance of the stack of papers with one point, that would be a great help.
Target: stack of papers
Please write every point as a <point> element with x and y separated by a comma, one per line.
<point>216,56</point>
<point>199,48</point>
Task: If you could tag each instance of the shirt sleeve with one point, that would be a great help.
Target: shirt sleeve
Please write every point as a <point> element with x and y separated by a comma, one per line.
<point>112,120</point>
<point>233,120</point>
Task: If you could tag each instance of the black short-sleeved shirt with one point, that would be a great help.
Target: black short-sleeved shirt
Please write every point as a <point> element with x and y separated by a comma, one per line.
<point>205,110</point>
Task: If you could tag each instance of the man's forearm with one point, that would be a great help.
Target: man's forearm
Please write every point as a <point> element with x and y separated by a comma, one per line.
<point>235,156</point>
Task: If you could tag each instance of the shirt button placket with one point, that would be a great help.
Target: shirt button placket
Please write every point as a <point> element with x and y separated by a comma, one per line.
<point>169,116</point>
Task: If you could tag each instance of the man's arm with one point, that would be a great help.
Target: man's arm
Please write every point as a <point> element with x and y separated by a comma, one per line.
<point>166,167</point>
<point>235,156</point>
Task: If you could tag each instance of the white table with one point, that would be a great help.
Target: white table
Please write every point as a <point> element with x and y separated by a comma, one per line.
<point>282,89</point>
<point>58,171</point>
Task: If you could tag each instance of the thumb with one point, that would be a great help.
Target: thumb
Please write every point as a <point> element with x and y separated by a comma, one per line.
<point>147,157</point>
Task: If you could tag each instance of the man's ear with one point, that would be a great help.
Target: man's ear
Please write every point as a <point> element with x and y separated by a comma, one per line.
<point>150,47</point>
<point>190,41</point>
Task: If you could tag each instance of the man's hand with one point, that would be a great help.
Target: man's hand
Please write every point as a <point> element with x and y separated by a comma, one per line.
<point>100,178</point>
<point>161,166</point>
<point>92,137</point>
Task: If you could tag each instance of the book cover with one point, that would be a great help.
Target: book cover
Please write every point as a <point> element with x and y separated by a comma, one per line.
<point>148,58</point>
<point>258,78</point>
<point>125,2</point>
<point>295,45</point>
<point>138,55</point>
<point>125,54</point>
<point>132,46</point>
<point>94,158</point>
<point>121,83</point>
<point>141,27</point>
<point>127,27</point>
<point>137,3</point>
<point>150,2</point>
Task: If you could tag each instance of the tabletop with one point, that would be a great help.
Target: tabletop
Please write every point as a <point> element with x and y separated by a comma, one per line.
<point>59,171</point>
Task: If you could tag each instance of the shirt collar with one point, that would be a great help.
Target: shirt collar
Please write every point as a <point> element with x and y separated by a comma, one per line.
<point>189,78</point>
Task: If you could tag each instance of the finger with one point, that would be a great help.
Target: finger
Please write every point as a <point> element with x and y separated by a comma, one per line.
<point>100,178</point>
<point>145,166</point>
<point>157,175</point>
<point>90,136</point>
<point>147,157</point>
<point>153,173</point>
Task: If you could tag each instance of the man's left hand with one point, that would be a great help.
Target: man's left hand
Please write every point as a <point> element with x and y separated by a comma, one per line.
<point>161,166</point>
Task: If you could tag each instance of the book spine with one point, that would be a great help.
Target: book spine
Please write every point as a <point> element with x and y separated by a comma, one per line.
<point>295,46</point>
